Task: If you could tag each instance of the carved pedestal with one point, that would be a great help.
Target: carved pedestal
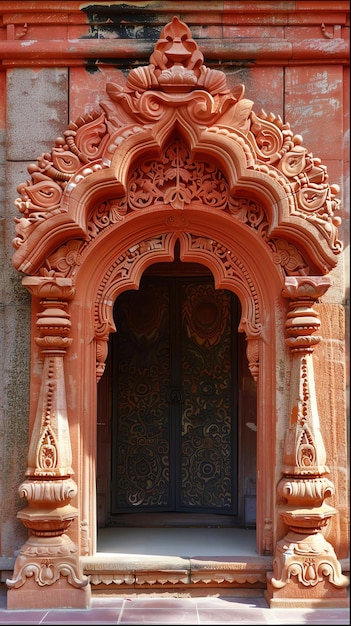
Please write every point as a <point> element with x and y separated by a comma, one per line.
<point>47,570</point>
<point>306,569</point>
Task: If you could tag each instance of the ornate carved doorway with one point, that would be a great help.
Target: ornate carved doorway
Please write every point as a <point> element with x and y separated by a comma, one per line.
<point>176,160</point>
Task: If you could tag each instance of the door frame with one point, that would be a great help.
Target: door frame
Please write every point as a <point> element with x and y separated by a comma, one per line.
<point>235,276</point>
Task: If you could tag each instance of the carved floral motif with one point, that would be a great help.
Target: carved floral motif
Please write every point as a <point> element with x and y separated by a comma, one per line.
<point>120,273</point>
<point>176,88</point>
<point>49,554</point>
<point>47,562</point>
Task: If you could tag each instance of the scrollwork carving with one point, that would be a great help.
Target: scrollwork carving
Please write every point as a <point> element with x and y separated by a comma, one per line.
<point>47,572</point>
<point>307,560</point>
<point>177,88</point>
<point>310,490</point>
<point>177,180</point>
<point>54,491</point>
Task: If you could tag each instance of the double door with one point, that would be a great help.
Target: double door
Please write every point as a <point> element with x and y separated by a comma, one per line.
<point>174,430</point>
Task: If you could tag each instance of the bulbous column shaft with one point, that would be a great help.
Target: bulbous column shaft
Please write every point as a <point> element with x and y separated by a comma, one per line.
<point>303,558</point>
<point>49,557</point>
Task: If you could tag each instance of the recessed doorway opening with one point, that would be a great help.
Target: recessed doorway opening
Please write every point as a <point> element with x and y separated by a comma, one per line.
<point>177,408</point>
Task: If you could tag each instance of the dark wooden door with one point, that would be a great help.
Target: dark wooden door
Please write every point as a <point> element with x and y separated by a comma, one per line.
<point>174,434</point>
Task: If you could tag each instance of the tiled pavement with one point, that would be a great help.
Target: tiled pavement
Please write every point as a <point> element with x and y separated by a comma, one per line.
<point>166,610</point>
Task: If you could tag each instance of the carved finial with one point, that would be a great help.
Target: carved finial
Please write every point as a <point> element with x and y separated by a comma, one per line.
<point>176,65</point>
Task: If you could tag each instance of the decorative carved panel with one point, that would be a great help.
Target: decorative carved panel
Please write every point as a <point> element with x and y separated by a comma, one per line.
<point>175,443</point>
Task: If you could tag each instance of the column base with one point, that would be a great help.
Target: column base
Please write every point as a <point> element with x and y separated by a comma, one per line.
<point>295,595</point>
<point>60,595</point>
<point>48,574</point>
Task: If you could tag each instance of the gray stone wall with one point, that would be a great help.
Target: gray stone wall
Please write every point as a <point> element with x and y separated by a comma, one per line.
<point>37,112</point>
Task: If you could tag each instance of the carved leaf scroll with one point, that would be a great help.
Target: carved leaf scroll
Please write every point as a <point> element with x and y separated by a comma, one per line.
<point>176,90</point>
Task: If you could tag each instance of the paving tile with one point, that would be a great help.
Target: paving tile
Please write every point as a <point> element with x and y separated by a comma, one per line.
<point>229,602</point>
<point>99,615</point>
<point>22,617</point>
<point>205,610</point>
<point>233,615</point>
<point>312,616</point>
<point>160,603</point>
<point>108,602</point>
<point>166,615</point>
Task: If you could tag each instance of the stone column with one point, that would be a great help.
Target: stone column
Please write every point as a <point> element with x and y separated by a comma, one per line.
<point>306,571</point>
<point>47,570</point>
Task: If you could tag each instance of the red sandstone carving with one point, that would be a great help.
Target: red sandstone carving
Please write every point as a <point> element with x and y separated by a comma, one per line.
<point>209,119</point>
<point>175,156</point>
<point>304,556</point>
<point>49,554</point>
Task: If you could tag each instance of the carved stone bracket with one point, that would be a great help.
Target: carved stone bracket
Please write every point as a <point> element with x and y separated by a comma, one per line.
<point>49,557</point>
<point>304,558</point>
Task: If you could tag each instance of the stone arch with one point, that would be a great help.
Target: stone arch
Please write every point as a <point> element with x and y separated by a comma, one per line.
<point>224,257</point>
<point>173,155</point>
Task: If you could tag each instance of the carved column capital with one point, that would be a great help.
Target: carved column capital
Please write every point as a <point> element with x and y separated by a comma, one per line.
<point>53,322</point>
<point>302,320</point>
<point>49,287</point>
<point>304,288</point>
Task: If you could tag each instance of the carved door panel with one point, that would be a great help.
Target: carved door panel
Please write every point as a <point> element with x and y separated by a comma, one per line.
<point>174,398</point>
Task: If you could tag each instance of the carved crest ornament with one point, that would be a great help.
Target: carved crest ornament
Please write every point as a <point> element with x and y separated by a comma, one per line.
<point>179,152</point>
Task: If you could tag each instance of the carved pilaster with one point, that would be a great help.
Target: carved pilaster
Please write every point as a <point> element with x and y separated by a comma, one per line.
<point>49,560</point>
<point>305,564</point>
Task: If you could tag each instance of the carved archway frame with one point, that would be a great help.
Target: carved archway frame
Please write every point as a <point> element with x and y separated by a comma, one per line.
<point>175,156</point>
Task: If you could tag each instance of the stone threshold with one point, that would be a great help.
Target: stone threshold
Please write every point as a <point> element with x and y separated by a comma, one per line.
<point>140,572</point>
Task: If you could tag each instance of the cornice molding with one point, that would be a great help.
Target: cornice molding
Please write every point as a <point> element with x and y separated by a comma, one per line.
<point>40,33</point>
<point>75,52</point>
